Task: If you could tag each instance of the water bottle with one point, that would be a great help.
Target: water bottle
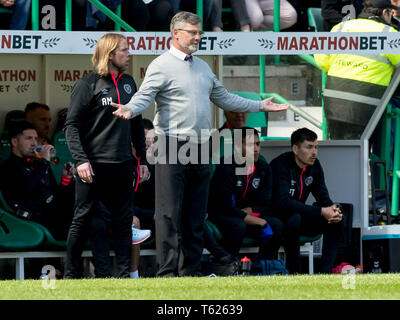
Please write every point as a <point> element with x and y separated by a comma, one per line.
<point>44,275</point>
<point>376,268</point>
<point>52,151</point>
<point>245,266</point>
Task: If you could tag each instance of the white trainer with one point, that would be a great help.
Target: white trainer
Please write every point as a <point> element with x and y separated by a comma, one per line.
<point>139,235</point>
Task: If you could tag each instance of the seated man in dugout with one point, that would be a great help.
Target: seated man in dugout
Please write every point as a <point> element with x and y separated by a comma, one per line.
<point>29,187</point>
<point>239,204</point>
<point>234,120</point>
<point>296,174</point>
<point>39,115</point>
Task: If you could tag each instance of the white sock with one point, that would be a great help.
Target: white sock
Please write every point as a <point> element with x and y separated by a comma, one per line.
<point>134,274</point>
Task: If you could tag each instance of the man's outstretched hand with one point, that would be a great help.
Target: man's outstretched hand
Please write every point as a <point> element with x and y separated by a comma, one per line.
<point>122,112</point>
<point>270,106</point>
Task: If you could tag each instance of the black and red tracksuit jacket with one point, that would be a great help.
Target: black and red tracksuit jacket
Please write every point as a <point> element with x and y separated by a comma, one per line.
<point>230,193</point>
<point>28,184</point>
<point>292,185</point>
<point>93,133</point>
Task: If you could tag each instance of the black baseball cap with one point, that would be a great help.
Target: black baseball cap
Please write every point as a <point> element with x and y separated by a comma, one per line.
<point>383,4</point>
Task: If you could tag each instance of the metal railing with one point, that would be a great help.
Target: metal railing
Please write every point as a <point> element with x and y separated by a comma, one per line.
<point>395,113</point>
<point>308,58</point>
<point>390,153</point>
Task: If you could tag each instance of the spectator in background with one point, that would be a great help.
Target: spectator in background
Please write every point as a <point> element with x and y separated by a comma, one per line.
<point>29,187</point>
<point>261,13</point>
<point>396,15</point>
<point>334,11</point>
<point>141,15</point>
<point>39,115</point>
<point>296,174</point>
<point>214,22</point>
<point>240,14</point>
<point>212,11</point>
<point>235,120</point>
<point>331,11</point>
<point>148,15</point>
<point>21,12</point>
<point>79,14</point>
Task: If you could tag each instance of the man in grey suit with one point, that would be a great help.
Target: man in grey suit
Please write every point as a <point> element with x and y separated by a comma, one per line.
<point>183,87</point>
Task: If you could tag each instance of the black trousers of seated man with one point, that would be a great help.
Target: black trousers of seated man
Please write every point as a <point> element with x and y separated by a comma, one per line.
<point>181,204</point>
<point>113,186</point>
<point>234,230</point>
<point>57,215</point>
<point>297,224</point>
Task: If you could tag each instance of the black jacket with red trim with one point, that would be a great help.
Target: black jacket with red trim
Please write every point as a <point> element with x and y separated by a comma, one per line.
<point>28,184</point>
<point>93,133</point>
<point>292,186</point>
<point>229,192</point>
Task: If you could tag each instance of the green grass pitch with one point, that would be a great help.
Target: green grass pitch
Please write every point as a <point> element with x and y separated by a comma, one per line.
<point>302,287</point>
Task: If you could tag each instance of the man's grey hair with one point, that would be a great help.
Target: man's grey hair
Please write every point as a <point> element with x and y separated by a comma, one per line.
<point>179,20</point>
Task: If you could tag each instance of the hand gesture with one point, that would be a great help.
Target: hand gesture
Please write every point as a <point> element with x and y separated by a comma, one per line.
<point>248,210</point>
<point>332,214</point>
<point>252,220</point>
<point>122,112</point>
<point>68,170</point>
<point>7,3</point>
<point>85,172</point>
<point>270,106</point>
<point>143,172</point>
<point>45,151</point>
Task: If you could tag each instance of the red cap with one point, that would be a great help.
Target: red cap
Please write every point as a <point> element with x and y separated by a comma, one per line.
<point>245,259</point>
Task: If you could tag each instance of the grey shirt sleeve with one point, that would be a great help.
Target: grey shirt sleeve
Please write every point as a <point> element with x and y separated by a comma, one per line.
<point>232,102</point>
<point>153,82</point>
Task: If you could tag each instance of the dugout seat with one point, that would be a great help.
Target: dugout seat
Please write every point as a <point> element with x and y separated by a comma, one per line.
<point>5,146</point>
<point>12,117</point>
<point>17,234</point>
<point>48,241</point>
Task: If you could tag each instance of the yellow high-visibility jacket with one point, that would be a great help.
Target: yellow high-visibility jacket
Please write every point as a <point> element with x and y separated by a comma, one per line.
<point>371,68</point>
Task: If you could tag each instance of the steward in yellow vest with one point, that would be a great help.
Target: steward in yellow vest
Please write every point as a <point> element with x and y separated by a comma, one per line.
<point>356,82</point>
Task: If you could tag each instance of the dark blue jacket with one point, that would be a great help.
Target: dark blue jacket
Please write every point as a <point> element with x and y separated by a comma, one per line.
<point>292,186</point>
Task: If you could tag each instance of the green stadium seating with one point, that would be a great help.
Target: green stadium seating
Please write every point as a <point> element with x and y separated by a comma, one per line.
<point>5,146</point>
<point>5,10</point>
<point>12,117</point>
<point>48,241</point>
<point>17,234</point>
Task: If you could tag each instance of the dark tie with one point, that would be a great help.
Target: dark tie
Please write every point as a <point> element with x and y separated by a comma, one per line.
<point>189,58</point>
